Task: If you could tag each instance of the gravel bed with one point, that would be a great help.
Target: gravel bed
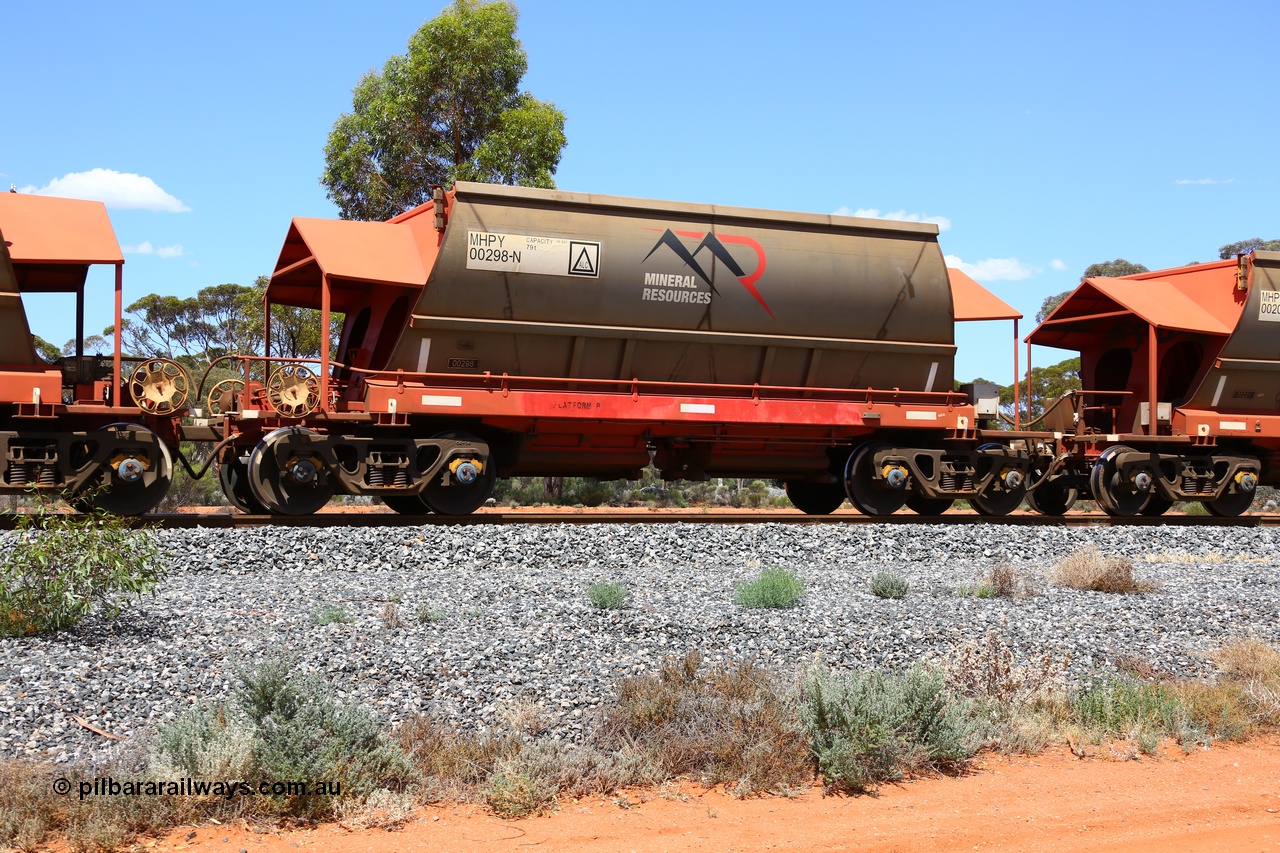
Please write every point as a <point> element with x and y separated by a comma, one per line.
<point>513,621</point>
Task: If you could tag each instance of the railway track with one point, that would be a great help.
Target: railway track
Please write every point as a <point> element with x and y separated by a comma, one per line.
<point>238,521</point>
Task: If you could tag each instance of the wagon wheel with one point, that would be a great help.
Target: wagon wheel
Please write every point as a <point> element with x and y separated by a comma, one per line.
<point>224,397</point>
<point>921,505</point>
<point>869,495</point>
<point>999,498</point>
<point>405,504</point>
<point>1230,504</point>
<point>159,386</point>
<point>1052,497</point>
<point>815,498</point>
<point>456,497</point>
<point>1113,494</point>
<point>293,391</point>
<point>234,477</point>
<point>135,477</point>
<point>300,484</point>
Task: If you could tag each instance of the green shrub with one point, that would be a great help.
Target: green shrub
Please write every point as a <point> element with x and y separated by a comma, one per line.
<point>1114,706</point>
<point>329,614</point>
<point>184,491</point>
<point>981,589</point>
<point>607,595</point>
<point>516,788</point>
<point>281,726</point>
<point>889,585</point>
<point>773,588</point>
<point>66,567</point>
<point>866,728</point>
<point>428,614</point>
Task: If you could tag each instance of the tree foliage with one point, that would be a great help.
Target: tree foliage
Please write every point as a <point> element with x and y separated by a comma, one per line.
<point>1106,269</point>
<point>1113,269</point>
<point>220,320</point>
<point>450,109</point>
<point>46,350</point>
<point>1243,247</point>
<point>1050,303</point>
<point>1047,384</point>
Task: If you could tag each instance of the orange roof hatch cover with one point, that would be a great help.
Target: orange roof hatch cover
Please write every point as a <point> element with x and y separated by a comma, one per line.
<point>972,301</point>
<point>47,230</point>
<point>362,251</point>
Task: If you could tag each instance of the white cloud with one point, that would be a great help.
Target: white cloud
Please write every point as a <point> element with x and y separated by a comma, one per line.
<point>1058,265</point>
<point>943,223</point>
<point>1203,181</point>
<point>118,190</point>
<point>994,269</point>
<point>145,248</point>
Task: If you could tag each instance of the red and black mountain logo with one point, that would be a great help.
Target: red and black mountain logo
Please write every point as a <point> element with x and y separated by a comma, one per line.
<point>715,244</point>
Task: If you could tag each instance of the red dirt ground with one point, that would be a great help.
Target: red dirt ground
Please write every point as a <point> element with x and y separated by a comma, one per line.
<point>1224,798</point>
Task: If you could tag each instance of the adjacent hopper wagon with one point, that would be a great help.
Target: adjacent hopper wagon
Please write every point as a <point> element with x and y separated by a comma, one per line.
<point>1180,371</point>
<point>100,429</point>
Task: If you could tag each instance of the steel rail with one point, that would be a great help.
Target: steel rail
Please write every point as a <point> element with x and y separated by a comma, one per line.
<point>240,521</point>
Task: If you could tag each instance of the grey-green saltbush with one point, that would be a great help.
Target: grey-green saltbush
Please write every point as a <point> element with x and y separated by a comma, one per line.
<point>889,585</point>
<point>866,728</point>
<point>607,595</point>
<point>773,588</point>
<point>329,614</point>
<point>283,726</point>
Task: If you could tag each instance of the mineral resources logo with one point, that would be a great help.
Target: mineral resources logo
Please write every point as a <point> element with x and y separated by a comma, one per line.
<point>664,287</point>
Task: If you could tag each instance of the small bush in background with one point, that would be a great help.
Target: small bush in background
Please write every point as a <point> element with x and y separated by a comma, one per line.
<point>773,588</point>
<point>427,614</point>
<point>980,589</point>
<point>607,595</point>
<point>391,616</point>
<point>889,585</point>
<point>1089,569</point>
<point>67,567</point>
<point>329,614</point>
<point>1003,581</point>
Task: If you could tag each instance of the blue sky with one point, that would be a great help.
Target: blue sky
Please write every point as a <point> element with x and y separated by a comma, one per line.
<point>1044,137</point>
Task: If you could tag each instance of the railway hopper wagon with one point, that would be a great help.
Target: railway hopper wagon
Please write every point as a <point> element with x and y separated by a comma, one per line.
<point>101,429</point>
<point>1180,371</point>
<point>501,331</point>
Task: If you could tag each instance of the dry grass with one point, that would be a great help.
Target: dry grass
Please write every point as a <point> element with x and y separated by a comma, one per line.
<point>28,814</point>
<point>1210,557</point>
<point>1090,569</point>
<point>1248,659</point>
<point>451,764</point>
<point>1255,667</point>
<point>1008,582</point>
<point>731,725</point>
<point>735,725</point>
<point>382,809</point>
<point>989,670</point>
<point>31,813</point>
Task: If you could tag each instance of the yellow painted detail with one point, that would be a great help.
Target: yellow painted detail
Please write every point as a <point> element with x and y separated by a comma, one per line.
<point>455,464</point>
<point>141,459</point>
